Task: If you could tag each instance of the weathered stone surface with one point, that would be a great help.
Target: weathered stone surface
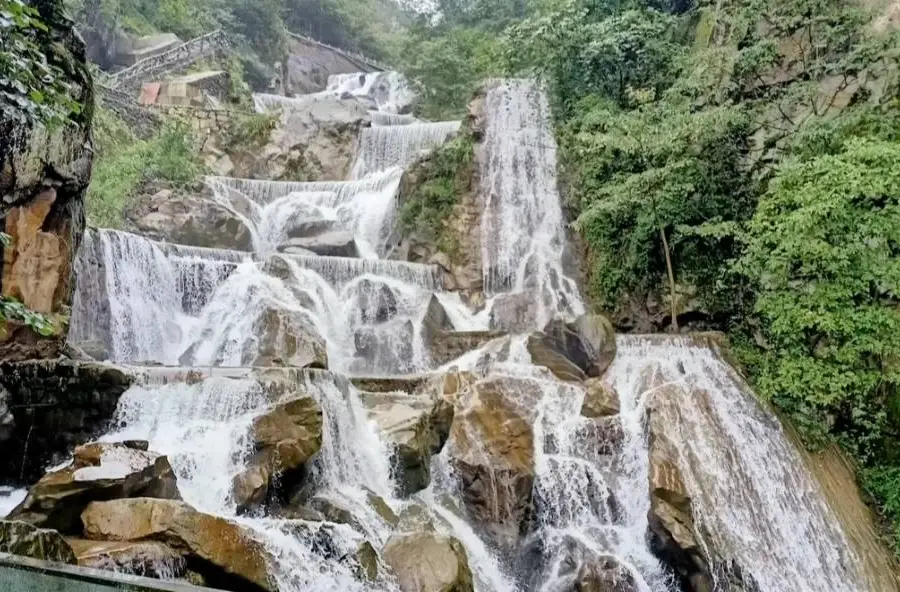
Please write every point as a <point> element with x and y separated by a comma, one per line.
<point>310,227</point>
<point>229,558</point>
<point>336,243</point>
<point>387,345</point>
<point>315,141</point>
<point>600,400</point>
<point>309,65</point>
<point>376,301</point>
<point>20,538</point>
<point>542,351</point>
<point>98,472</point>
<point>288,338</point>
<point>190,219</point>
<point>605,574</point>
<point>514,312</point>
<point>147,558</point>
<point>284,441</point>
<point>589,342</point>
<point>447,346</point>
<point>43,177</point>
<point>428,562</point>
<point>491,447</point>
<point>55,405</point>
<point>416,426</point>
<point>389,384</point>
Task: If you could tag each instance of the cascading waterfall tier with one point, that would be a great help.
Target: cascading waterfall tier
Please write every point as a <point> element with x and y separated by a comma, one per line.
<point>390,90</point>
<point>134,295</point>
<point>365,208</point>
<point>751,494</point>
<point>523,231</point>
<point>384,147</point>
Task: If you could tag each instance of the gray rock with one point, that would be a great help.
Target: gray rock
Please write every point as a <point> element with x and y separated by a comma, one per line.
<point>20,538</point>
<point>336,243</point>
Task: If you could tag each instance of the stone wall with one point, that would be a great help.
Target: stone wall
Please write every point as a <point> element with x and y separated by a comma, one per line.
<point>201,119</point>
<point>43,178</point>
<point>52,406</point>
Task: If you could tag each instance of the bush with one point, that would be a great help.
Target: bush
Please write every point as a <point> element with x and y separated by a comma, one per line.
<point>124,163</point>
<point>442,177</point>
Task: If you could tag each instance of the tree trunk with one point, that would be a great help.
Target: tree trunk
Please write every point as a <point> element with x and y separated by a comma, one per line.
<point>662,233</point>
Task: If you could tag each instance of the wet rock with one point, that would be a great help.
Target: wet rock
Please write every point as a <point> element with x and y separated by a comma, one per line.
<point>600,400</point>
<point>589,342</point>
<point>43,177</point>
<point>284,440</point>
<point>188,219</point>
<point>389,384</point>
<point>307,228</point>
<point>288,338</point>
<point>148,558</point>
<point>673,534</point>
<point>514,312</point>
<point>428,562</point>
<point>446,346</point>
<point>605,574</point>
<point>376,300</point>
<point>491,448</point>
<point>541,349</point>
<point>335,243</point>
<point>416,426</point>
<point>388,345</point>
<point>98,472</point>
<point>27,540</point>
<point>55,405</point>
<point>316,141</point>
<point>219,550</point>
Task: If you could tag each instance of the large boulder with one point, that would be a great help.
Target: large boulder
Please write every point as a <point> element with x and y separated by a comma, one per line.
<point>589,342</point>
<point>98,471</point>
<point>335,243</point>
<point>428,562</point>
<point>416,427</point>
<point>284,440</point>
<point>491,447</point>
<point>600,400</point>
<point>190,219</point>
<point>21,538</point>
<point>55,405</point>
<point>44,174</point>
<point>543,353</point>
<point>514,312</point>
<point>314,141</point>
<point>145,558</point>
<point>220,550</point>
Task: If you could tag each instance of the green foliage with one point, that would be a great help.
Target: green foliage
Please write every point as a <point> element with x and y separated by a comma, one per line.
<point>33,84</point>
<point>441,178</point>
<point>883,483</point>
<point>446,69</point>
<point>823,252</point>
<point>251,130</point>
<point>123,164</point>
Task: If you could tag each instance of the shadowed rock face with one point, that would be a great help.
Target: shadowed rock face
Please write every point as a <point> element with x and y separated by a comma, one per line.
<point>43,178</point>
<point>20,538</point>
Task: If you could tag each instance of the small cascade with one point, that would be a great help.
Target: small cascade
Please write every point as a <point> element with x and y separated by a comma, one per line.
<point>389,90</point>
<point>383,147</point>
<point>134,295</point>
<point>753,497</point>
<point>522,227</point>
<point>382,118</point>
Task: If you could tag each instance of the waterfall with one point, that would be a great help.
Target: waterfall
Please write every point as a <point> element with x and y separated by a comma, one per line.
<point>753,497</point>
<point>522,225</point>
<point>589,499</point>
<point>383,147</point>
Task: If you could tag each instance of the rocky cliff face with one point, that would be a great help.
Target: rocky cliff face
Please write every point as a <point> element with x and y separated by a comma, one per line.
<point>43,177</point>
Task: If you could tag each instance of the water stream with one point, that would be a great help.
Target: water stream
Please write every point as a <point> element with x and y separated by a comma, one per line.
<point>146,301</point>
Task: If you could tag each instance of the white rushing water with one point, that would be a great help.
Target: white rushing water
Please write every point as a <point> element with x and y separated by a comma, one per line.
<point>522,229</point>
<point>150,302</point>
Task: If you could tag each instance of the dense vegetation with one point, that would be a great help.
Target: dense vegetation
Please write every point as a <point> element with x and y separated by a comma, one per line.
<point>741,152</point>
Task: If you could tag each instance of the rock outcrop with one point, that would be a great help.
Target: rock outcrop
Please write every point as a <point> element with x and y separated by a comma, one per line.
<point>195,219</point>
<point>314,141</point>
<point>98,472</point>
<point>54,406</point>
<point>336,243</point>
<point>416,426</point>
<point>43,178</point>
<point>600,400</point>
<point>224,554</point>
<point>21,538</point>
<point>491,448</point>
<point>146,558</point>
<point>288,338</point>
<point>284,440</point>
<point>589,342</point>
<point>428,562</point>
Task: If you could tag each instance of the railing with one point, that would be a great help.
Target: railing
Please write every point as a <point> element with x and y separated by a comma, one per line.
<point>352,56</point>
<point>180,57</point>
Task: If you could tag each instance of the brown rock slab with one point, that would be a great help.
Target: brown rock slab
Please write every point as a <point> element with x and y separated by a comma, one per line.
<point>229,557</point>
<point>146,558</point>
<point>428,562</point>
